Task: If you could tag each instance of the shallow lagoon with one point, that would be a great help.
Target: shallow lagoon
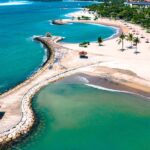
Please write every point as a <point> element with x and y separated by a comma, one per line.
<point>77,117</point>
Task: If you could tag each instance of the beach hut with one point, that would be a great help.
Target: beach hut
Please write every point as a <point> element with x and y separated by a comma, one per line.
<point>83,54</point>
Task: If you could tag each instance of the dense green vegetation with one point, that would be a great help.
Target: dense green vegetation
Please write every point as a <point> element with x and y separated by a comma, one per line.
<point>117,10</point>
<point>84,18</point>
<point>84,44</point>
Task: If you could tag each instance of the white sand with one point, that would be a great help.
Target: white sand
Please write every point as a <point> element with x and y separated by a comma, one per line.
<point>112,56</point>
<point>109,55</point>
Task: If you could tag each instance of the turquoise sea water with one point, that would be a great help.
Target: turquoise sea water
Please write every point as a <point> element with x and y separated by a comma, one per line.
<point>70,116</point>
<point>77,117</point>
<point>20,20</point>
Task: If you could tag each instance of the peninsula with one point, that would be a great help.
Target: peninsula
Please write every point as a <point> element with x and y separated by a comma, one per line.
<point>106,66</point>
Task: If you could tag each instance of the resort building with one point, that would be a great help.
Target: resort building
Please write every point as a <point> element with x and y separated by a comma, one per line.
<point>144,3</point>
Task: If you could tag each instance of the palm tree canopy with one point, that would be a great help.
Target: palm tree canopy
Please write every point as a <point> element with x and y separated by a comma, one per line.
<point>117,9</point>
<point>100,40</point>
<point>130,37</point>
<point>122,36</point>
<point>136,40</point>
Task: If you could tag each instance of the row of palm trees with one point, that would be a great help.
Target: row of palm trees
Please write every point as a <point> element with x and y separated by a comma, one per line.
<point>130,37</point>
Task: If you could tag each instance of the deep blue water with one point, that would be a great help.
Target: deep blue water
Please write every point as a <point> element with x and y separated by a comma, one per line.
<point>19,55</point>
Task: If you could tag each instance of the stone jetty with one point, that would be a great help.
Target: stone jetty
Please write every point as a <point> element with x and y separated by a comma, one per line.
<point>26,115</point>
<point>17,122</point>
<point>59,22</point>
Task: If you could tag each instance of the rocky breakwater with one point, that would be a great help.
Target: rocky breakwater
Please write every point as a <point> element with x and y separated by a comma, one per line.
<point>28,118</point>
<point>59,22</point>
<point>23,127</point>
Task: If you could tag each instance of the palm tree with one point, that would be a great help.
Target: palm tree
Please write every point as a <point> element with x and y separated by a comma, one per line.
<point>121,40</point>
<point>130,38</point>
<point>136,41</point>
<point>100,40</point>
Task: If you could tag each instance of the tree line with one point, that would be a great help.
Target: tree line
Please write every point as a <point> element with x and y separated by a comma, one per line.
<point>117,10</point>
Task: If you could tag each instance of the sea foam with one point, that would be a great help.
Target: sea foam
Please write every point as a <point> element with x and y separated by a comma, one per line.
<point>11,3</point>
<point>113,90</point>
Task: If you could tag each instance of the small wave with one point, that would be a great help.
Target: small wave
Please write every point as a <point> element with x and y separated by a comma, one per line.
<point>41,45</point>
<point>83,79</point>
<point>34,36</point>
<point>45,53</point>
<point>30,38</point>
<point>45,56</point>
<point>117,30</point>
<point>105,89</point>
<point>118,91</point>
<point>70,23</point>
<point>50,22</point>
<point>15,3</point>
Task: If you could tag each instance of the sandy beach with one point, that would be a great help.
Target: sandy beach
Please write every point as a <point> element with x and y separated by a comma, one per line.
<point>106,66</point>
<point>110,51</point>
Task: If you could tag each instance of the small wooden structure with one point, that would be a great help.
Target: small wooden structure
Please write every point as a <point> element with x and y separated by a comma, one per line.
<point>83,54</point>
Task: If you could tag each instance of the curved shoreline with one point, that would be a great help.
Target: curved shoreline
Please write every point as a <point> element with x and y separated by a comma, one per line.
<point>42,66</point>
<point>38,72</point>
<point>27,119</point>
<point>118,29</point>
<point>117,91</point>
